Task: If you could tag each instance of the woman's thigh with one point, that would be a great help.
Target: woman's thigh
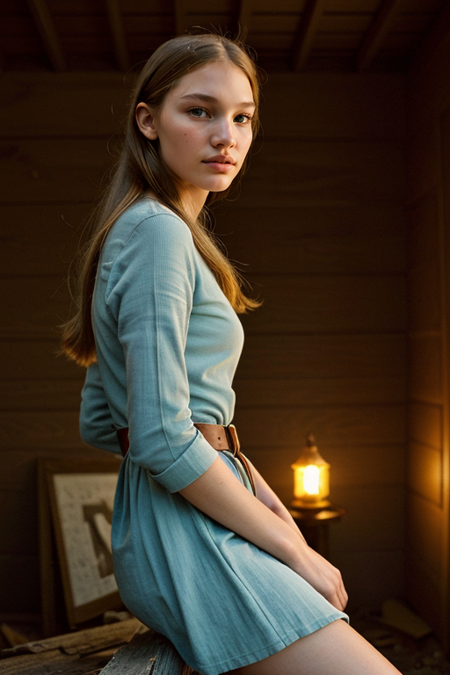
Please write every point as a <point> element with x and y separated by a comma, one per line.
<point>336,649</point>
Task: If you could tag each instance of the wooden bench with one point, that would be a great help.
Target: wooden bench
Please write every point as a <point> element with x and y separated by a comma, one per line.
<point>126,647</point>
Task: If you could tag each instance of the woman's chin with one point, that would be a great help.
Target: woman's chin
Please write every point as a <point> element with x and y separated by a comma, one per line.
<point>220,186</point>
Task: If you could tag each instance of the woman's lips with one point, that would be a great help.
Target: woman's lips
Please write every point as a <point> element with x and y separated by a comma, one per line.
<point>219,166</point>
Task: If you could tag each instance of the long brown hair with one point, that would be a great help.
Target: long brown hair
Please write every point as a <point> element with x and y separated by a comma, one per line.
<point>139,168</point>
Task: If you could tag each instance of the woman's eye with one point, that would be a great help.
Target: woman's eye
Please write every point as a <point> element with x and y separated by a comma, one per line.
<point>247,119</point>
<point>243,118</point>
<point>197,112</point>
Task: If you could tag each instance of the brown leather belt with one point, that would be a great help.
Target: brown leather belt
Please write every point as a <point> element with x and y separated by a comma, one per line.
<point>220,437</point>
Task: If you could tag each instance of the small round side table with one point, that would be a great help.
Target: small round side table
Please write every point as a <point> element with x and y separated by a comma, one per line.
<point>314,525</point>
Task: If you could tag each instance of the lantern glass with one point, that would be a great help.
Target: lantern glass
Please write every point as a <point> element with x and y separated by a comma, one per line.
<point>311,477</point>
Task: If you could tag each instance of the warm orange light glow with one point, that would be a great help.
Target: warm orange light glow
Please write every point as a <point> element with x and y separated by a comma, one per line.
<point>311,477</point>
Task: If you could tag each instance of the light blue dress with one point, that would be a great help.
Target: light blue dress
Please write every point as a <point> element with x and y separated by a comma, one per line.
<point>168,344</point>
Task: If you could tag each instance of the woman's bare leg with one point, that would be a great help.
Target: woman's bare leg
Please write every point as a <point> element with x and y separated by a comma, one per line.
<point>336,649</point>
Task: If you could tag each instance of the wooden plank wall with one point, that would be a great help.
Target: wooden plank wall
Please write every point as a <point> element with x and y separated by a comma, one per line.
<point>320,222</point>
<point>428,217</point>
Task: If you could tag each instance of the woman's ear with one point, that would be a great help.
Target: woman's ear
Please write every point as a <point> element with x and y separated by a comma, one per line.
<point>145,119</point>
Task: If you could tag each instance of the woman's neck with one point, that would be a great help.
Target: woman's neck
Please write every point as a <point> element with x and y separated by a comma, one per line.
<point>191,204</point>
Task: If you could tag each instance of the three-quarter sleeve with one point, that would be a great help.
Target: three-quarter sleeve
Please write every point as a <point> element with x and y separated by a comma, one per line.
<point>150,296</point>
<point>96,424</point>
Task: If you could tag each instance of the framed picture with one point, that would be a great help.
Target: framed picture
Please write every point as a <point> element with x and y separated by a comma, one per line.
<point>78,497</point>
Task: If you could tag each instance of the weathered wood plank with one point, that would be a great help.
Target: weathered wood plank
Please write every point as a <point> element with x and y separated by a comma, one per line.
<point>39,171</point>
<point>425,367</point>
<point>53,663</point>
<point>40,430</point>
<point>312,391</point>
<point>38,239</point>
<point>424,533</point>
<point>428,95</point>
<point>338,425</point>
<point>424,312</point>
<point>422,165</point>
<point>81,653</point>
<point>355,238</point>
<point>297,171</point>
<point>19,466</point>
<point>362,465</point>
<point>264,356</point>
<point>33,307</point>
<point>334,106</point>
<point>444,124</point>
<point>56,394</point>
<point>349,105</point>
<point>425,424</point>
<point>64,394</point>
<point>82,641</point>
<point>61,101</point>
<point>424,472</point>
<point>316,238</point>
<point>293,356</point>
<point>37,359</point>
<point>148,648</point>
<point>379,526</point>
<point>298,304</point>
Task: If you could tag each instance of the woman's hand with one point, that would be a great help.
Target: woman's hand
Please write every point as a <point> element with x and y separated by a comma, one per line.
<point>323,576</point>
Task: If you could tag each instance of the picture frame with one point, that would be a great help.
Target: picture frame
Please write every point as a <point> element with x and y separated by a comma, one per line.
<point>76,500</point>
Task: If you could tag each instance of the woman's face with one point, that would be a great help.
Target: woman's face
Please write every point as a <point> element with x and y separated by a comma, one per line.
<point>204,127</point>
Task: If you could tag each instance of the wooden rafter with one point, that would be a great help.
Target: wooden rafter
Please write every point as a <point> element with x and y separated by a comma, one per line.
<point>376,33</point>
<point>306,33</point>
<point>244,18</point>
<point>46,28</point>
<point>439,29</point>
<point>180,16</point>
<point>118,33</point>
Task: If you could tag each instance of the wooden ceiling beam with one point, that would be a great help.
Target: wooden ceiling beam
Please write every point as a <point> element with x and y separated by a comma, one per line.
<point>46,27</point>
<point>180,16</point>
<point>437,33</point>
<point>306,33</point>
<point>376,33</point>
<point>244,19</point>
<point>118,34</point>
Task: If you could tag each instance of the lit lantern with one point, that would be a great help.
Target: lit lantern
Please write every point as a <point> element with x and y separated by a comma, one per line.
<point>311,478</point>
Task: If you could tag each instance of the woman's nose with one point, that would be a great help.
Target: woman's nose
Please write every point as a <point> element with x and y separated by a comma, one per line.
<point>224,134</point>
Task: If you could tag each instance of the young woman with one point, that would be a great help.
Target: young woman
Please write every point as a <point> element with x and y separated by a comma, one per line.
<point>204,552</point>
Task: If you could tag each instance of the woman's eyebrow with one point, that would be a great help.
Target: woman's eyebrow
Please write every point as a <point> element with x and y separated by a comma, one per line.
<point>212,99</point>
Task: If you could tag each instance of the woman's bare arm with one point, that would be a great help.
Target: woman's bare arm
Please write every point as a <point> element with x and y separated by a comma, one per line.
<point>267,496</point>
<point>219,494</point>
